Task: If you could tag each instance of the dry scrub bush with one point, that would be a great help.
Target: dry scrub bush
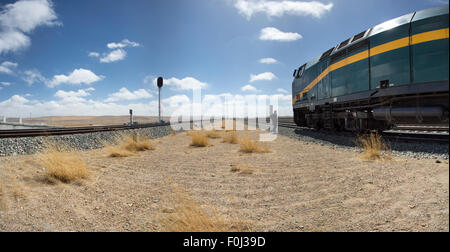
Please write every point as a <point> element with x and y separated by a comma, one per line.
<point>230,137</point>
<point>199,139</point>
<point>373,147</point>
<point>62,164</point>
<point>128,145</point>
<point>189,216</point>
<point>250,146</point>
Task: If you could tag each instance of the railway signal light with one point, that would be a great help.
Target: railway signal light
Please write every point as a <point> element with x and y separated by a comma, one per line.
<point>131,117</point>
<point>160,85</point>
<point>160,82</point>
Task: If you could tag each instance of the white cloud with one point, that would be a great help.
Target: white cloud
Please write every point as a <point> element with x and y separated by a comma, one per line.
<point>14,101</point>
<point>187,83</point>
<point>94,54</point>
<point>268,61</point>
<point>6,67</point>
<point>273,34</point>
<point>77,77</point>
<point>281,90</point>
<point>283,98</point>
<point>122,44</point>
<point>4,83</point>
<point>72,96</point>
<point>13,41</point>
<point>263,76</point>
<point>249,88</point>
<point>23,17</point>
<point>77,103</point>
<point>280,8</point>
<point>125,94</point>
<point>32,76</point>
<point>73,105</point>
<point>80,93</point>
<point>148,79</point>
<point>176,100</point>
<point>115,55</point>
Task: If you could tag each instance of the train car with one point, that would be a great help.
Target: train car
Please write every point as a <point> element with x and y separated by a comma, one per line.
<point>394,73</point>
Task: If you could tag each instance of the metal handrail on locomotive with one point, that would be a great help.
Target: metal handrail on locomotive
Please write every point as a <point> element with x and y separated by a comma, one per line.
<point>394,73</point>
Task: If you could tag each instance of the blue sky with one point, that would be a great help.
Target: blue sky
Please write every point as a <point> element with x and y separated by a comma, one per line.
<point>67,57</point>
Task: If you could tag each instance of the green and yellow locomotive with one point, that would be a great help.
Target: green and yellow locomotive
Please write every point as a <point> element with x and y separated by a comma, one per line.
<point>394,73</point>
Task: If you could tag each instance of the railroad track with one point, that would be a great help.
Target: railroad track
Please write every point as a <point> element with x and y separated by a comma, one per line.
<point>74,130</point>
<point>429,134</point>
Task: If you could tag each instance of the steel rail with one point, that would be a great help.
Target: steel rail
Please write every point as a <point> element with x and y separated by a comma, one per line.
<point>394,135</point>
<point>73,130</point>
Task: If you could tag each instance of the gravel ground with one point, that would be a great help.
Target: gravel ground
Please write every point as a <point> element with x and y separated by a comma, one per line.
<point>298,186</point>
<point>414,150</point>
<point>89,141</point>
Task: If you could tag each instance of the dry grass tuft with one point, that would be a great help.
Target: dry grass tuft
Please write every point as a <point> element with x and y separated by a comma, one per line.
<point>235,168</point>
<point>3,200</point>
<point>128,145</point>
<point>250,146</point>
<point>212,134</point>
<point>374,148</point>
<point>199,139</point>
<point>230,137</point>
<point>118,151</point>
<point>61,165</point>
<point>189,216</point>
<point>18,191</point>
<point>142,143</point>
<point>242,169</point>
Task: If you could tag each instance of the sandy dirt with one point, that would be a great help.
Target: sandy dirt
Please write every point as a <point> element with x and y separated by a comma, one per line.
<point>298,186</point>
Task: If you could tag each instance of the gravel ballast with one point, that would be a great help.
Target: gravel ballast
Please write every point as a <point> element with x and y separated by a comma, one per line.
<point>408,149</point>
<point>88,141</point>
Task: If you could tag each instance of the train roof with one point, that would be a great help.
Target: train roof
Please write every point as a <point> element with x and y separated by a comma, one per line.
<point>433,12</point>
<point>387,25</point>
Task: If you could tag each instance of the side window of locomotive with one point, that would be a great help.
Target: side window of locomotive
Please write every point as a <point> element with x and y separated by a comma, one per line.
<point>300,72</point>
<point>358,36</point>
<point>344,43</point>
<point>303,70</point>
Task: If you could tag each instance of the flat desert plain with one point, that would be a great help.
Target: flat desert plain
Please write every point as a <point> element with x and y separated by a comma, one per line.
<point>80,121</point>
<point>297,186</point>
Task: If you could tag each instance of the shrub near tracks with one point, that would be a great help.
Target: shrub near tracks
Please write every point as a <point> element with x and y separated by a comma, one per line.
<point>62,164</point>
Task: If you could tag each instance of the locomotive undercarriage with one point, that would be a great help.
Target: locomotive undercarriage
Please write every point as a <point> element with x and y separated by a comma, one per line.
<point>380,113</point>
